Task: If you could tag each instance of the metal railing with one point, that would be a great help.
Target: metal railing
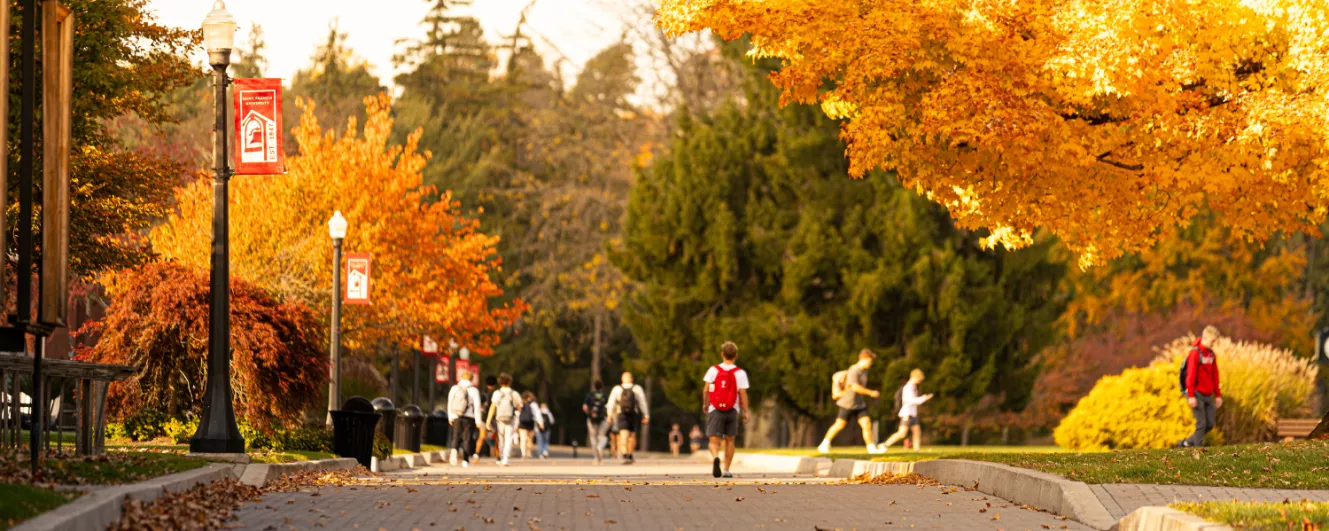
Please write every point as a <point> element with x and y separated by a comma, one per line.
<point>78,404</point>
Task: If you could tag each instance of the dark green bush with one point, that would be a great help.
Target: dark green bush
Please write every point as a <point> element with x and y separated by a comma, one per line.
<point>382,446</point>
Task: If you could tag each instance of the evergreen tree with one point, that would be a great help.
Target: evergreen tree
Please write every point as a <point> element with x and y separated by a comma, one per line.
<point>336,81</point>
<point>751,230</point>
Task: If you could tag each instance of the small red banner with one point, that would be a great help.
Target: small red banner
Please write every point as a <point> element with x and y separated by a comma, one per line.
<point>258,127</point>
<point>357,278</point>
<point>428,346</point>
<point>442,370</point>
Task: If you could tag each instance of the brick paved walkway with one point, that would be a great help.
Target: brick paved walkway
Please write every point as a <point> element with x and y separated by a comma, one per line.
<point>547,496</point>
<point>1120,500</point>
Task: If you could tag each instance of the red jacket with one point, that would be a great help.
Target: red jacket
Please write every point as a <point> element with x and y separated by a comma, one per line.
<point>1202,372</point>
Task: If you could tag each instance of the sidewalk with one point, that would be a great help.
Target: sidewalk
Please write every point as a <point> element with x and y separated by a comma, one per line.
<point>1122,499</point>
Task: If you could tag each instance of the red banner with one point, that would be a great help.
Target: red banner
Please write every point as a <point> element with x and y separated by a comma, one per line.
<point>442,370</point>
<point>357,278</point>
<point>428,346</point>
<point>258,127</point>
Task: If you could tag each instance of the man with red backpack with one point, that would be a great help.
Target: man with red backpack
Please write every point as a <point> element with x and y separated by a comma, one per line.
<point>1199,374</point>
<point>725,396</point>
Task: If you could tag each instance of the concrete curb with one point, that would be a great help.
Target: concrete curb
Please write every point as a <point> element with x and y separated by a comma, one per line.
<point>397,462</point>
<point>100,508</point>
<point>1166,519</point>
<point>781,464</point>
<point>1048,492</point>
<point>260,474</point>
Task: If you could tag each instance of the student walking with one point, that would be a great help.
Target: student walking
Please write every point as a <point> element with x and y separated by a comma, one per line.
<point>463,416</point>
<point>1203,395</point>
<point>629,409</point>
<point>544,431</point>
<point>484,439</point>
<point>725,394</point>
<point>503,408</point>
<point>851,394</point>
<point>675,440</point>
<point>530,420</point>
<point>696,439</point>
<point>909,400</point>
<point>597,422</point>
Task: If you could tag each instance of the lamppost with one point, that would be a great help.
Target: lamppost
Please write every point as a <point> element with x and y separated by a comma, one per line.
<point>217,432</point>
<point>336,229</point>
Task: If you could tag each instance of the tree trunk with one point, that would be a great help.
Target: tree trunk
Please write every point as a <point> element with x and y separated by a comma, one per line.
<point>964,431</point>
<point>764,426</point>
<point>595,347</point>
<point>1005,435</point>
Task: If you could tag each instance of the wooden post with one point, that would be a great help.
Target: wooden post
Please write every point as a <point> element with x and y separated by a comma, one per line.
<point>57,91</point>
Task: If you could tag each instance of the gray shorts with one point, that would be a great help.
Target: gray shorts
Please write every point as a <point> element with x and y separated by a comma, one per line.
<point>722,423</point>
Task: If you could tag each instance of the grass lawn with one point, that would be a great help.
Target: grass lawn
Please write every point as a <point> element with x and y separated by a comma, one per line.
<point>22,502</point>
<point>1293,465</point>
<point>289,456</point>
<point>1255,516</point>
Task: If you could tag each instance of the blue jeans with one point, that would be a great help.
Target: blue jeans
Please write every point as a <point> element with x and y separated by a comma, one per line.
<point>541,442</point>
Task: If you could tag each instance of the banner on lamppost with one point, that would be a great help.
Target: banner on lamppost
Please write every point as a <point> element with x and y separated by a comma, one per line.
<point>357,278</point>
<point>443,370</point>
<point>428,346</point>
<point>258,127</point>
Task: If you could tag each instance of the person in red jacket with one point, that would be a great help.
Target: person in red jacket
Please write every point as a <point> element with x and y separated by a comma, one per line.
<point>1203,393</point>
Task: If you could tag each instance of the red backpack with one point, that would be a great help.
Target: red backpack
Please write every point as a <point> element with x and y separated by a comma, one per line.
<point>724,390</point>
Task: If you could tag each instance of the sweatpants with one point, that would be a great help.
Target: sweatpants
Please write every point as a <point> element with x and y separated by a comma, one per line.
<point>460,438</point>
<point>506,433</point>
<point>1203,411</point>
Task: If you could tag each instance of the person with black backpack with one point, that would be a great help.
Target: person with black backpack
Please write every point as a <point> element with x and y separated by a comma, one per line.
<point>907,401</point>
<point>597,422</point>
<point>529,422</point>
<point>628,408</point>
<point>1199,383</point>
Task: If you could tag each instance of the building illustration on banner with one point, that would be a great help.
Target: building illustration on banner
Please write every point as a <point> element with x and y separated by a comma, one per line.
<point>357,285</point>
<point>260,139</point>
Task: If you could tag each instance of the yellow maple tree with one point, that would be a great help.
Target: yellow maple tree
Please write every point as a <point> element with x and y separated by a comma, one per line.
<point>1109,122</point>
<point>432,268</point>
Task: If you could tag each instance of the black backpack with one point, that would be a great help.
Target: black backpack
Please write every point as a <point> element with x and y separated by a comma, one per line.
<point>596,402</point>
<point>899,399</point>
<point>1185,363</point>
<point>526,416</point>
<point>627,400</point>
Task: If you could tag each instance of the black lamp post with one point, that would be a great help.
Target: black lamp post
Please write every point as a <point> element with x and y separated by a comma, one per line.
<point>336,229</point>
<point>217,432</point>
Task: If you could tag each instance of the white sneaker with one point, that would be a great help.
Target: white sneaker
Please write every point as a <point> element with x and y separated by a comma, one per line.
<point>503,462</point>
<point>824,448</point>
<point>465,464</point>
<point>452,458</point>
<point>875,450</point>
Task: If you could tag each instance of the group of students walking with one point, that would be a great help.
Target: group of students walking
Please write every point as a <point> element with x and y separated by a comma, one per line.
<point>612,419</point>
<point>498,418</point>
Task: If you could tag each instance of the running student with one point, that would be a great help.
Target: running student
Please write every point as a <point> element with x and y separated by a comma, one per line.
<point>463,416</point>
<point>503,410</point>
<point>852,400</point>
<point>628,408</point>
<point>908,412</point>
<point>1203,394</point>
<point>597,422</point>
<point>725,394</point>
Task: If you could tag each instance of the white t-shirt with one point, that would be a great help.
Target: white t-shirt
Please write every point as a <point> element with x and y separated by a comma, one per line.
<point>741,377</point>
<point>909,400</point>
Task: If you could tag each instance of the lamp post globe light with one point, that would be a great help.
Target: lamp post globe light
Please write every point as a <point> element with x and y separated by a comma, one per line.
<point>217,432</point>
<point>337,230</point>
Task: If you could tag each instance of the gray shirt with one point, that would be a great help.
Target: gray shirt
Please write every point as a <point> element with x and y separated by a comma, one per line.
<point>852,400</point>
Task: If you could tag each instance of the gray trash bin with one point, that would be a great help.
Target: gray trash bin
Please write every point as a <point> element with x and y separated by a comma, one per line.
<point>388,426</point>
<point>410,428</point>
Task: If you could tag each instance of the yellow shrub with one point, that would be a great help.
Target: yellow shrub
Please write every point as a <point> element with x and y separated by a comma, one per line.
<point>1144,407</point>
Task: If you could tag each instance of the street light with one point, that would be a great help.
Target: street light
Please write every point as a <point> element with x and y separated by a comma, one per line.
<point>217,432</point>
<point>336,229</point>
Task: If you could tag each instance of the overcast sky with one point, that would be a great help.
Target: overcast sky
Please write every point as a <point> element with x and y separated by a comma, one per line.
<point>294,28</point>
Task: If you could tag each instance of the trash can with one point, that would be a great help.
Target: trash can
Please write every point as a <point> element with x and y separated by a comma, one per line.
<point>436,428</point>
<point>410,428</point>
<point>353,429</point>
<point>384,406</point>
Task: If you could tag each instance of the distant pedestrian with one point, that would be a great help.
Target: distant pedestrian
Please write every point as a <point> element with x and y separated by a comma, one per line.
<point>1203,394</point>
<point>463,417</point>
<point>629,409</point>
<point>909,400</point>
<point>696,439</point>
<point>597,421</point>
<point>483,440</point>
<point>529,421</point>
<point>503,409</point>
<point>725,395</point>
<point>544,431</point>
<point>675,441</point>
<point>849,388</point>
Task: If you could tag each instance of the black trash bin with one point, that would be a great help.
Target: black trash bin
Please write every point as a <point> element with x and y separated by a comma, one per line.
<point>436,428</point>
<point>410,428</point>
<point>388,426</point>
<point>353,429</point>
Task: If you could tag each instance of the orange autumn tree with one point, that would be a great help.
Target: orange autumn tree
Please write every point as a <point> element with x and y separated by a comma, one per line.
<point>432,268</point>
<point>1110,122</point>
